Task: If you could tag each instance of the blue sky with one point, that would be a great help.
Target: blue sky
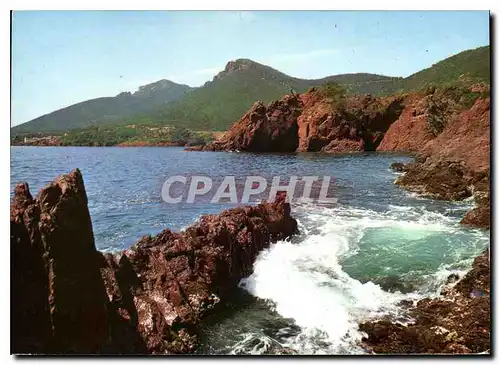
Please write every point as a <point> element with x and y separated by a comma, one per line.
<point>60,58</point>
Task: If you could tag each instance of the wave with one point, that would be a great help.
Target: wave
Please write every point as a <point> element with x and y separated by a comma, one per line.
<point>351,265</point>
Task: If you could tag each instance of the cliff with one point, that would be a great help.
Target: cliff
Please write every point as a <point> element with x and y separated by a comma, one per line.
<point>310,122</point>
<point>67,297</point>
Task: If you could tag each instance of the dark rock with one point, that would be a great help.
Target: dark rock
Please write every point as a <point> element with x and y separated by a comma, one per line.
<point>30,317</point>
<point>77,297</point>
<point>69,298</point>
<point>441,179</point>
<point>480,215</point>
<point>478,278</point>
<point>452,278</point>
<point>398,166</point>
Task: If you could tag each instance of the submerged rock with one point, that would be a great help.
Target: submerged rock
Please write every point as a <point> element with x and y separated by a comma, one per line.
<point>69,298</point>
<point>398,166</point>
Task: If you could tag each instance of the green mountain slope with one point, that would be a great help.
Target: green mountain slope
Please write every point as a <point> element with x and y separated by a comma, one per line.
<point>107,109</point>
<point>220,102</point>
<point>469,66</point>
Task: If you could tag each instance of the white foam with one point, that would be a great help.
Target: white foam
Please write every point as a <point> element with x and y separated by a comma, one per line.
<point>305,281</point>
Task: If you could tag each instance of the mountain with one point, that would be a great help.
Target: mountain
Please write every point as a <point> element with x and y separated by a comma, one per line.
<point>233,91</point>
<point>221,101</point>
<point>107,109</point>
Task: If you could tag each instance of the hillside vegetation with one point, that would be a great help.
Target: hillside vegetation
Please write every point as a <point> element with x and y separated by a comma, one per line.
<point>220,102</point>
<point>107,110</point>
<point>468,67</point>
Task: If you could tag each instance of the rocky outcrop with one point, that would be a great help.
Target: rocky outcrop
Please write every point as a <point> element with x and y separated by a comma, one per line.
<point>438,179</point>
<point>410,132</point>
<point>310,122</point>
<point>271,128</point>
<point>453,165</point>
<point>55,261</point>
<point>398,166</point>
<point>466,138</point>
<point>69,298</point>
<point>358,124</point>
<point>76,299</point>
<point>457,323</point>
<point>30,316</point>
<point>480,215</point>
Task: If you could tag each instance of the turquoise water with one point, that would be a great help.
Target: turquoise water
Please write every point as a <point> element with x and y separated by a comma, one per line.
<point>352,261</point>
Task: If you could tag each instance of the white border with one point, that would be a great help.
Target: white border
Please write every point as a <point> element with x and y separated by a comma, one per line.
<point>192,5</point>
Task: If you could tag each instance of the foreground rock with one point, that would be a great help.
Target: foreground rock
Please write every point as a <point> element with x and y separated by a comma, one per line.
<point>63,267</point>
<point>457,323</point>
<point>67,297</point>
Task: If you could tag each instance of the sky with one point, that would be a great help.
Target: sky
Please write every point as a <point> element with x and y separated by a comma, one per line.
<point>63,57</point>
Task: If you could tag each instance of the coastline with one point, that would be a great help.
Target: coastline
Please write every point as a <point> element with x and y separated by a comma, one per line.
<point>123,144</point>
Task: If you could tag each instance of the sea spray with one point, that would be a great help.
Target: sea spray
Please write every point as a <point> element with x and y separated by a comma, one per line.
<point>324,281</point>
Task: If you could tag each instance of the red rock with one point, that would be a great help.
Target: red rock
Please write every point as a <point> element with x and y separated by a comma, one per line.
<point>357,125</point>
<point>459,323</point>
<point>466,138</point>
<point>309,122</point>
<point>69,298</point>
<point>271,128</point>
<point>77,297</point>
<point>409,133</point>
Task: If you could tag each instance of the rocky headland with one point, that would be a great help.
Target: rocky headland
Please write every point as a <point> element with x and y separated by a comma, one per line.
<point>67,297</point>
<point>310,122</point>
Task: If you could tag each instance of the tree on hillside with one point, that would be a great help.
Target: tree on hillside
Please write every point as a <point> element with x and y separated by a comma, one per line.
<point>335,92</point>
